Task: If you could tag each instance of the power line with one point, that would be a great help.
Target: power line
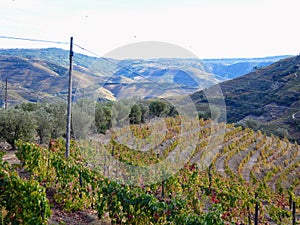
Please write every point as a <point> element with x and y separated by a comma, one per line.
<point>33,40</point>
<point>84,49</point>
<point>114,63</point>
<point>125,68</point>
<point>89,51</point>
<point>136,73</point>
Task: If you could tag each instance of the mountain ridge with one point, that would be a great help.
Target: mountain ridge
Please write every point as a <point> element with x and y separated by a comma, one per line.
<point>265,99</point>
<point>41,74</point>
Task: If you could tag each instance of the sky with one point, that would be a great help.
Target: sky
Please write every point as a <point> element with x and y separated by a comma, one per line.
<point>206,28</point>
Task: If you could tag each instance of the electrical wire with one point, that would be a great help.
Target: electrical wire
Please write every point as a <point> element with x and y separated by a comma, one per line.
<point>33,40</point>
<point>84,49</point>
<point>115,64</point>
<point>125,68</point>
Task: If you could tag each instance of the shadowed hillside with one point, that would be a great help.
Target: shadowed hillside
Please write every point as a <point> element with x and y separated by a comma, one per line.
<point>266,99</point>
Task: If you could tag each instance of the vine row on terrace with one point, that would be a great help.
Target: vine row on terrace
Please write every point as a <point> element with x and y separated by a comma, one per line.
<point>221,183</point>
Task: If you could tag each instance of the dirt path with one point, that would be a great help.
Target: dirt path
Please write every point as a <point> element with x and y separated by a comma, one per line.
<point>253,160</point>
<point>219,164</point>
<point>86,217</point>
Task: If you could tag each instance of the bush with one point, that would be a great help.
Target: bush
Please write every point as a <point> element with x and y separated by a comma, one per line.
<point>21,201</point>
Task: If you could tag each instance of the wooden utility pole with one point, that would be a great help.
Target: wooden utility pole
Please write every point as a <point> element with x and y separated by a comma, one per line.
<point>5,95</point>
<point>68,132</point>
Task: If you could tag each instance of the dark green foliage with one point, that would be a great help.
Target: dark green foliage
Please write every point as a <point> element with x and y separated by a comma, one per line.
<point>145,111</point>
<point>23,201</point>
<point>135,115</point>
<point>33,121</point>
<point>16,124</point>
<point>158,108</point>
<point>30,106</point>
<point>83,118</point>
<point>45,121</point>
<point>103,117</point>
<point>51,121</point>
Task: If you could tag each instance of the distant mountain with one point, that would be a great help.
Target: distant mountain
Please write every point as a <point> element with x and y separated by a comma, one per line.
<point>34,79</point>
<point>225,69</point>
<point>266,99</point>
<point>42,75</point>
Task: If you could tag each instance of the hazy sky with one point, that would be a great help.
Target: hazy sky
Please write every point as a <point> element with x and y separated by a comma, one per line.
<point>208,28</point>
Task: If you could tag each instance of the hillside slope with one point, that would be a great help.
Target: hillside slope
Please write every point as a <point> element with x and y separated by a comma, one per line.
<point>245,167</point>
<point>266,99</point>
<point>225,69</point>
<point>42,74</point>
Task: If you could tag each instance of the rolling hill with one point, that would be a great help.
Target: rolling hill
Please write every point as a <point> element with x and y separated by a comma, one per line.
<point>41,75</point>
<point>230,68</point>
<point>267,99</point>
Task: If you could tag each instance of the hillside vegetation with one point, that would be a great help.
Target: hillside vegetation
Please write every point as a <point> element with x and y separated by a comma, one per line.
<point>146,160</point>
<point>267,99</point>
<point>231,175</point>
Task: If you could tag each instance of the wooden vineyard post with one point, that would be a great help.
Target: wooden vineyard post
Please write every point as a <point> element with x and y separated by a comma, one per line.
<point>210,177</point>
<point>256,210</point>
<point>249,215</point>
<point>294,213</point>
<point>108,170</point>
<point>5,97</point>
<point>163,187</point>
<point>163,181</point>
<point>104,166</point>
<point>163,184</point>
<point>80,182</point>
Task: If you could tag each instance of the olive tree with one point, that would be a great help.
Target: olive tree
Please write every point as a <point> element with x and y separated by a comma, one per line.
<point>103,117</point>
<point>158,108</point>
<point>16,124</point>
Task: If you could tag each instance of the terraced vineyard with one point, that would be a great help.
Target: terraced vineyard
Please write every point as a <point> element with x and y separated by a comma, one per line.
<point>241,159</point>
<point>238,152</point>
<point>173,171</point>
